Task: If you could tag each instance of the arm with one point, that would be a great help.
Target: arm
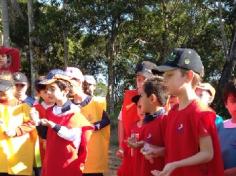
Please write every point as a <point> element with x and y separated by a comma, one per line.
<point>102,123</point>
<point>230,172</point>
<point>70,134</point>
<point>203,156</point>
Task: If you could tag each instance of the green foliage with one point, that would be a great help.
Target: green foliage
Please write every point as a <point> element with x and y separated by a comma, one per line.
<point>130,30</point>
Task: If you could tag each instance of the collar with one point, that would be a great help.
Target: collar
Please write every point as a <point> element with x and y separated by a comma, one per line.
<point>84,102</point>
<point>151,117</point>
<point>62,109</point>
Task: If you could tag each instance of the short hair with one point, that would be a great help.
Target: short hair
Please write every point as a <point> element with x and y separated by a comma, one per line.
<point>155,86</point>
<point>196,77</point>
<point>38,86</point>
<point>229,88</point>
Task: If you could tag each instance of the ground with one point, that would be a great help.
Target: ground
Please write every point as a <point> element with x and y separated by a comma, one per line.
<point>114,162</point>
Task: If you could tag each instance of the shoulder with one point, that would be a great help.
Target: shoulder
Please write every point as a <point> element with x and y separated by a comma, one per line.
<point>132,92</point>
<point>79,120</point>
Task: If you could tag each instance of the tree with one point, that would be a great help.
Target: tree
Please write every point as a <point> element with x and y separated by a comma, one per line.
<point>5,23</point>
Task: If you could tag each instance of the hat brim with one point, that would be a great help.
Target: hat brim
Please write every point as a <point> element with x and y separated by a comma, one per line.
<point>18,82</point>
<point>165,68</point>
<point>145,74</point>
<point>4,88</point>
<point>55,78</point>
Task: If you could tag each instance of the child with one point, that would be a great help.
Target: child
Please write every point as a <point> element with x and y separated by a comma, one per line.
<point>93,108</point>
<point>89,85</point>
<point>206,93</point>
<point>45,101</point>
<point>191,143</point>
<point>152,100</point>
<point>227,130</point>
<point>67,132</point>
<point>128,115</point>
<point>17,139</point>
<point>9,59</point>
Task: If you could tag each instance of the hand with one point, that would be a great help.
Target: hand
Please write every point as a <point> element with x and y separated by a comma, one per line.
<point>155,172</point>
<point>10,132</point>
<point>168,169</point>
<point>120,153</point>
<point>46,122</point>
<point>134,143</point>
<point>34,114</point>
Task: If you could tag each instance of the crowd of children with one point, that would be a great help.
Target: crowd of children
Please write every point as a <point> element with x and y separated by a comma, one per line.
<point>166,126</point>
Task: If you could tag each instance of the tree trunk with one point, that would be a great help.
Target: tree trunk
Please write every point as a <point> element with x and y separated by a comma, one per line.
<point>5,23</point>
<point>65,36</point>
<point>31,55</point>
<point>228,69</point>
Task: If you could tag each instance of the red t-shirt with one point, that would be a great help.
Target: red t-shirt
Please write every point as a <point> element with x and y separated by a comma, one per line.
<point>152,133</point>
<point>129,118</point>
<point>183,128</point>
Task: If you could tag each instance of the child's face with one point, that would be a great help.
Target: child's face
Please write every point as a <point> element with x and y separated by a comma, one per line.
<point>145,102</point>
<point>21,89</point>
<point>174,81</point>
<point>55,92</point>
<point>139,82</point>
<point>47,98</point>
<point>140,110</point>
<point>3,60</point>
<point>231,105</point>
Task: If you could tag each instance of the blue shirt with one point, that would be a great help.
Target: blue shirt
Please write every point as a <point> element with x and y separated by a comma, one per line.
<point>227,138</point>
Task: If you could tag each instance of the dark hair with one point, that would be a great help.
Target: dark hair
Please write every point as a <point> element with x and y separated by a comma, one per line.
<point>230,88</point>
<point>39,86</point>
<point>155,86</point>
<point>63,84</point>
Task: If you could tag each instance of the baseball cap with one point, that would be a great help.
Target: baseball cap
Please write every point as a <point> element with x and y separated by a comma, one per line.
<point>53,75</point>
<point>146,68</point>
<point>184,58</point>
<point>74,72</point>
<point>20,78</point>
<point>90,79</point>
<point>5,85</point>
<point>208,87</point>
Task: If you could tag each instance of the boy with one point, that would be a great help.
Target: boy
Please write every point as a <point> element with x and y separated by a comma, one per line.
<point>227,130</point>
<point>68,130</point>
<point>89,85</point>
<point>17,140</point>
<point>93,108</point>
<point>191,143</point>
<point>153,100</point>
<point>206,93</point>
<point>128,115</point>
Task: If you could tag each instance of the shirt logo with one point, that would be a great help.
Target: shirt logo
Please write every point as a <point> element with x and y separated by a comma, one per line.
<point>180,127</point>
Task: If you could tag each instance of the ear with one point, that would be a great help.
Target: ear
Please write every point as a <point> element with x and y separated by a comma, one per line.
<point>189,74</point>
<point>153,98</point>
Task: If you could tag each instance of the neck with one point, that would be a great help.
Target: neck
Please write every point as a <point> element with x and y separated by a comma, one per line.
<point>155,109</point>
<point>186,97</point>
<point>79,98</point>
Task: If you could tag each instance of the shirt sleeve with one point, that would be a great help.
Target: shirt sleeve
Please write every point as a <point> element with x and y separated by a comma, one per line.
<point>102,123</point>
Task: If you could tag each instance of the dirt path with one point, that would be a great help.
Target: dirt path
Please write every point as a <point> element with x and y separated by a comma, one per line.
<point>114,162</point>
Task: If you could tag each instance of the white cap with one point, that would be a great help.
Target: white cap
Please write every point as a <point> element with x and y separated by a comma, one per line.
<point>74,72</point>
<point>90,79</point>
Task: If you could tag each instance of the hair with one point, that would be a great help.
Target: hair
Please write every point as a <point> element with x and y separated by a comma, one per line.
<point>230,88</point>
<point>155,86</point>
<point>196,77</point>
<point>38,86</point>
<point>63,85</point>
